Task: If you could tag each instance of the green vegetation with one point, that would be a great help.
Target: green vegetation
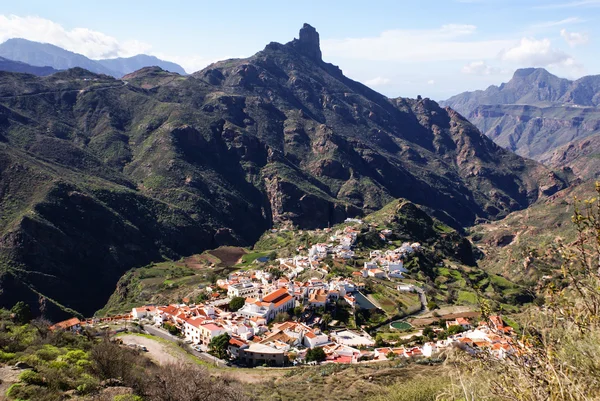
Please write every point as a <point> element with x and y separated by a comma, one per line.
<point>236,303</point>
<point>218,345</point>
<point>315,354</point>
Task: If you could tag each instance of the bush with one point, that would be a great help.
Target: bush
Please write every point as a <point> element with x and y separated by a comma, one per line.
<point>7,356</point>
<point>72,357</point>
<point>48,352</point>
<point>31,377</point>
<point>87,384</point>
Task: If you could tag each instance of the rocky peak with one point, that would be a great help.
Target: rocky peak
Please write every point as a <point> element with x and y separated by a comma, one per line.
<point>308,42</point>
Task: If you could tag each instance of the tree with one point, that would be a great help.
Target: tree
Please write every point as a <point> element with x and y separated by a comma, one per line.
<point>429,333</point>
<point>236,303</point>
<point>431,305</point>
<point>455,329</point>
<point>219,344</point>
<point>325,319</point>
<point>298,311</point>
<point>281,317</point>
<point>21,313</point>
<point>172,329</point>
<point>315,354</point>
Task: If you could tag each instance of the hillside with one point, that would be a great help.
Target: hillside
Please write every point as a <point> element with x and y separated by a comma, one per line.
<point>101,175</point>
<point>582,156</point>
<point>445,266</point>
<point>17,66</point>
<point>534,113</point>
<point>523,245</point>
<point>44,54</point>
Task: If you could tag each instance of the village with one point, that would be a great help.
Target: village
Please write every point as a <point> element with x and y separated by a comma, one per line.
<point>272,317</point>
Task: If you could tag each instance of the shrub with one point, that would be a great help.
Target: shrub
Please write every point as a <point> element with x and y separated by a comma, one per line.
<point>72,357</point>
<point>31,377</point>
<point>48,352</point>
<point>7,356</point>
<point>87,384</point>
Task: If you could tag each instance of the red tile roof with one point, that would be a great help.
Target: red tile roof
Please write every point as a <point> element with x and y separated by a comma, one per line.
<point>66,324</point>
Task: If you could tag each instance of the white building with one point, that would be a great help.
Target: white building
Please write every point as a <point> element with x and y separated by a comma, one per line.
<point>245,290</point>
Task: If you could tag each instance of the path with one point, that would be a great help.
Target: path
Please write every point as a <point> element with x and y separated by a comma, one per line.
<point>170,353</point>
<point>157,351</point>
<point>155,331</point>
<point>88,89</point>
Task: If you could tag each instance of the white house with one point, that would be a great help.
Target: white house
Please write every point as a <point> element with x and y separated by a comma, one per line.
<point>311,339</point>
<point>378,273</point>
<point>145,311</point>
<point>246,289</point>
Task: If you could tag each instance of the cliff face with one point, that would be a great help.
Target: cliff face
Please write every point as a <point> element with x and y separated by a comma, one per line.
<point>99,175</point>
<point>535,112</point>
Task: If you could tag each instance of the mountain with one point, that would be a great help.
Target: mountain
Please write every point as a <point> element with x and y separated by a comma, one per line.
<point>130,64</point>
<point>44,54</point>
<point>581,155</point>
<point>535,112</point>
<point>17,66</point>
<point>99,175</point>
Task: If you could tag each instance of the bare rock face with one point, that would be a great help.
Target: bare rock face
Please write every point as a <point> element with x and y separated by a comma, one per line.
<point>308,42</point>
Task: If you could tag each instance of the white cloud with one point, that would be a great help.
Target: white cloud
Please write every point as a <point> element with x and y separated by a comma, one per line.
<point>536,53</point>
<point>479,68</point>
<point>449,42</point>
<point>378,81</point>
<point>92,44</point>
<point>430,82</point>
<point>574,38</point>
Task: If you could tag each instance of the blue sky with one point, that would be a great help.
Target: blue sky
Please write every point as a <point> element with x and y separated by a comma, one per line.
<point>400,48</point>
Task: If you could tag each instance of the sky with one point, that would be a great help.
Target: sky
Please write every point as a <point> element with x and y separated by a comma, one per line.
<point>434,48</point>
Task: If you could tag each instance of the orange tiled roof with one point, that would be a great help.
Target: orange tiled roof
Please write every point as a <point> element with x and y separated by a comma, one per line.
<point>66,324</point>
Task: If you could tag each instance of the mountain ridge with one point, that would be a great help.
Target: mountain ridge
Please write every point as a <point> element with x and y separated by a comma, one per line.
<point>45,54</point>
<point>535,113</point>
<point>114,174</point>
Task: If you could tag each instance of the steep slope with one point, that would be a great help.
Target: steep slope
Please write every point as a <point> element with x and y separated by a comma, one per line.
<point>523,246</point>
<point>17,66</point>
<point>102,175</point>
<point>535,112</point>
<point>582,156</point>
<point>44,54</point>
<point>126,65</point>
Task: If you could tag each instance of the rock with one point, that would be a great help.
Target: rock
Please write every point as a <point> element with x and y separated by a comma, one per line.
<point>111,383</point>
<point>308,42</point>
<point>22,365</point>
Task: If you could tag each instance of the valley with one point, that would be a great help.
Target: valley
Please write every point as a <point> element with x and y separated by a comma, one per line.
<point>267,228</point>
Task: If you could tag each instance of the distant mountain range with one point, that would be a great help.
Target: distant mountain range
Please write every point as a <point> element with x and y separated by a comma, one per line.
<point>46,55</point>
<point>17,66</point>
<point>539,115</point>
